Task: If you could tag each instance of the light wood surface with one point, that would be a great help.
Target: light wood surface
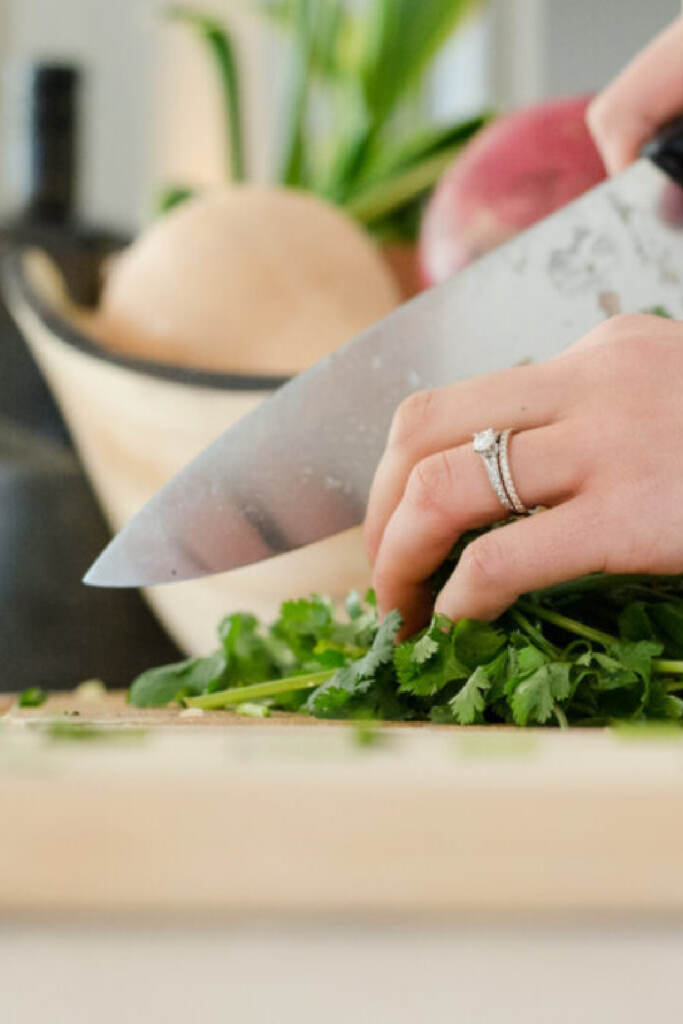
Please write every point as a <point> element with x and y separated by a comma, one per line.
<point>224,815</point>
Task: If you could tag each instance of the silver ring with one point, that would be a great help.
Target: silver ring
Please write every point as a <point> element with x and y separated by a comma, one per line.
<point>508,483</point>
<point>486,445</point>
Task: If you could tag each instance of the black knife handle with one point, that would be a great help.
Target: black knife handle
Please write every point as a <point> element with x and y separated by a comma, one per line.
<point>666,150</point>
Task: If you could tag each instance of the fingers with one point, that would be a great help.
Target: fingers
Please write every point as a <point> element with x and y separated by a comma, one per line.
<point>558,544</point>
<point>647,94</point>
<point>431,421</point>
<point>449,493</point>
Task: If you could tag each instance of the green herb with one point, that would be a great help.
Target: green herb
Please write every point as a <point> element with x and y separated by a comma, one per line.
<point>592,651</point>
<point>253,709</point>
<point>159,686</point>
<point>659,311</point>
<point>33,697</point>
<point>81,732</point>
<point>367,734</point>
<point>355,84</point>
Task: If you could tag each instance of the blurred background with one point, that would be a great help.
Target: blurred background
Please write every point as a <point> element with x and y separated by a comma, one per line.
<point>151,108</point>
<point>391,112</point>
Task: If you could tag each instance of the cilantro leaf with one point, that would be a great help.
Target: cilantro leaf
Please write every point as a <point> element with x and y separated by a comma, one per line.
<point>534,697</point>
<point>427,663</point>
<point>587,651</point>
<point>159,686</point>
<point>476,643</point>
<point>335,697</point>
<point>469,703</point>
<point>248,658</point>
<point>33,697</point>
<point>668,620</point>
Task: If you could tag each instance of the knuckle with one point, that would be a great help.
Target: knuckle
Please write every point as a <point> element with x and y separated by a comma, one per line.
<point>628,343</point>
<point>620,327</point>
<point>411,415</point>
<point>429,485</point>
<point>630,325</point>
<point>484,562</point>
<point>621,324</point>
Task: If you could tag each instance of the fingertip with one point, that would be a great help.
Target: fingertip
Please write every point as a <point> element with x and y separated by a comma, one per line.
<point>618,133</point>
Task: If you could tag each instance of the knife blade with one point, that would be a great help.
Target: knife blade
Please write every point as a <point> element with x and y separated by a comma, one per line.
<point>299,467</point>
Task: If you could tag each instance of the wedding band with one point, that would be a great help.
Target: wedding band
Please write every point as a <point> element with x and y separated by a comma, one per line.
<point>486,445</point>
<point>508,483</point>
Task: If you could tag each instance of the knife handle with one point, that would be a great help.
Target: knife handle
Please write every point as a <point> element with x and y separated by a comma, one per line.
<point>666,150</point>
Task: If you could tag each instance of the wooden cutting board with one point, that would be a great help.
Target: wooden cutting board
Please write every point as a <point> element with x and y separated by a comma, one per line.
<point>159,811</point>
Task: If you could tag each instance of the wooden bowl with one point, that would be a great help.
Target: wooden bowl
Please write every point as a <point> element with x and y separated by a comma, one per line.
<point>135,423</point>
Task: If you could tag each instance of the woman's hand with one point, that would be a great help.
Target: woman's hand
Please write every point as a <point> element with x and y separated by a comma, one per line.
<point>647,94</point>
<point>598,440</point>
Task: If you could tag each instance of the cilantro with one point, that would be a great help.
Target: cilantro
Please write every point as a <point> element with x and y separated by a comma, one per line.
<point>425,665</point>
<point>253,709</point>
<point>33,697</point>
<point>469,702</point>
<point>337,697</point>
<point>533,698</point>
<point>597,650</point>
<point>159,686</point>
<point>659,311</point>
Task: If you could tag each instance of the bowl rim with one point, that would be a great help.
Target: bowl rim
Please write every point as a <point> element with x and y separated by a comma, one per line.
<point>16,284</point>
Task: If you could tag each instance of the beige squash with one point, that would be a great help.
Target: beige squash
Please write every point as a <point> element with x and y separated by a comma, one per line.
<point>246,278</point>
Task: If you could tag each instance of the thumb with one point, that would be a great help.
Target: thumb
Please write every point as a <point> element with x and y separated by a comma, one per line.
<point>647,94</point>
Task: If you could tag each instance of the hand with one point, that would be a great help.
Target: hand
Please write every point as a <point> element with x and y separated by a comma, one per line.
<point>647,94</point>
<point>599,441</point>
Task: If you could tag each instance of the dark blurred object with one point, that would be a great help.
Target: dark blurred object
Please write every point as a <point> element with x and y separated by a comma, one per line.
<point>671,204</point>
<point>41,133</point>
<point>55,632</point>
<point>53,139</point>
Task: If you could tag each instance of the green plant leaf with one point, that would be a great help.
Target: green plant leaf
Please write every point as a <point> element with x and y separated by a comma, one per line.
<point>469,703</point>
<point>171,196</point>
<point>399,156</point>
<point>336,698</point>
<point>534,697</point>
<point>32,697</point>
<point>402,39</point>
<point>476,643</point>
<point>427,663</point>
<point>334,40</point>
<point>295,171</point>
<point>220,46</point>
<point>159,686</point>
<point>407,175</point>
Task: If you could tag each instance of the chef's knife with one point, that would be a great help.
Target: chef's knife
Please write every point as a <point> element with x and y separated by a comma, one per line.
<point>299,467</point>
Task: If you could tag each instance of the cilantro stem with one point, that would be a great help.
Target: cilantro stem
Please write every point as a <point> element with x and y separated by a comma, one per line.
<point>561,717</point>
<point>257,691</point>
<point>666,668</point>
<point>533,633</point>
<point>569,625</point>
<point>662,666</point>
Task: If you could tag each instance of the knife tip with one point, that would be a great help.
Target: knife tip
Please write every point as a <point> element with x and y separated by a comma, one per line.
<point>108,571</point>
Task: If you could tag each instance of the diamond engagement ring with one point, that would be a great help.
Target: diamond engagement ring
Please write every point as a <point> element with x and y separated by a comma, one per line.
<point>486,443</point>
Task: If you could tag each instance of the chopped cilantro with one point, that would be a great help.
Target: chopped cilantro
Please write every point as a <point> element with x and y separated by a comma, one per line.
<point>598,650</point>
<point>33,697</point>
